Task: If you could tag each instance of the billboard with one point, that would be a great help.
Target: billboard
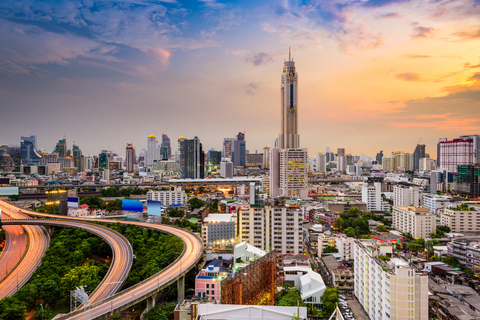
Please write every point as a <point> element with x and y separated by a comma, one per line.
<point>8,191</point>
<point>132,205</point>
<point>4,181</point>
<point>154,208</point>
<point>72,202</point>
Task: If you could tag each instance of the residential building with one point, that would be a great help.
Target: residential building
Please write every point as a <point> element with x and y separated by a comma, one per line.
<point>61,148</point>
<point>417,221</point>
<point>345,247</point>
<point>288,173</point>
<point>406,195</point>
<point>207,282</point>
<point>218,229</point>
<point>388,290</point>
<point>467,251</point>
<point>192,158</point>
<point>327,218</point>
<point>78,159</point>
<point>325,240</point>
<point>339,207</point>
<point>153,152</point>
<point>254,160</point>
<point>341,164</point>
<point>434,202</point>
<point>168,198</point>
<point>458,152</point>
<point>130,157</point>
<point>427,164</point>
<point>418,154</point>
<point>372,195</point>
<point>227,147</point>
<point>461,219</point>
<point>226,169</point>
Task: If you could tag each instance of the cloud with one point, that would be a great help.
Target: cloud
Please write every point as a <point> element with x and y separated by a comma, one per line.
<point>389,15</point>
<point>469,66</point>
<point>358,37</point>
<point>258,59</point>
<point>407,76</point>
<point>422,32</point>
<point>24,47</point>
<point>415,56</point>
<point>475,34</point>
<point>213,4</point>
<point>251,88</point>
<point>381,3</point>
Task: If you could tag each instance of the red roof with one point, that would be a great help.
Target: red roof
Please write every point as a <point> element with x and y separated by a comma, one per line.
<point>83,206</point>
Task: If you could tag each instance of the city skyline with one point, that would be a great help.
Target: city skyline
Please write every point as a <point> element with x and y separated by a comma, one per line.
<point>376,75</point>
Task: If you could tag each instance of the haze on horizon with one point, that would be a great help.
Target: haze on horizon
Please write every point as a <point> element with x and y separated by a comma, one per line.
<point>373,74</point>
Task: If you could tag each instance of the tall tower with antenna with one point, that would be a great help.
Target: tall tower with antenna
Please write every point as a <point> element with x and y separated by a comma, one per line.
<point>289,137</point>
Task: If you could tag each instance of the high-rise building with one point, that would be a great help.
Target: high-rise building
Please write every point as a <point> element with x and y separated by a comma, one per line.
<point>130,157</point>
<point>340,152</point>
<point>61,148</point>
<point>239,156</point>
<point>153,152</point>
<point>289,137</point>
<point>266,158</point>
<point>341,163</point>
<point>418,154</point>
<point>226,169</point>
<point>78,159</point>
<point>227,147</point>
<point>192,158</point>
<point>458,152</point>
<point>379,157</point>
<point>165,148</point>
<point>388,290</point>
<point>214,157</point>
<point>28,152</point>
<point>104,161</point>
<point>293,173</point>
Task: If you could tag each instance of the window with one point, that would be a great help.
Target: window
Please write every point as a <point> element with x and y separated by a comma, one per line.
<point>208,292</point>
<point>208,285</point>
<point>213,286</point>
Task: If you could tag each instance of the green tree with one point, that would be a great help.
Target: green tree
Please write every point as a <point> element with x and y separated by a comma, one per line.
<point>290,298</point>
<point>381,228</point>
<point>349,232</point>
<point>93,202</point>
<point>330,249</point>
<point>111,192</point>
<point>176,213</point>
<point>12,309</point>
<point>86,276</point>
<point>330,300</point>
<point>196,203</point>
<point>417,245</point>
<point>162,311</point>
<point>338,224</point>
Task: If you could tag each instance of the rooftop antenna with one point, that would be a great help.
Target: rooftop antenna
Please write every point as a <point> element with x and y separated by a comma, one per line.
<point>289,54</point>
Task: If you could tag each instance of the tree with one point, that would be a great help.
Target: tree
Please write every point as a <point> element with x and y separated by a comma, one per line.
<point>417,245</point>
<point>86,276</point>
<point>196,203</point>
<point>290,299</point>
<point>93,202</point>
<point>338,224</point>
<point>177,213</point>
<point>162,311</point>
<point>330,249</point>
<point>381,228</point>
<point>12,308</point>
<point>349,232</point>
<point>330,300</point>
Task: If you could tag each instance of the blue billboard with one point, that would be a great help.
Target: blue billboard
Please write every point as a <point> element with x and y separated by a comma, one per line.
<point>154,208</point>
<point>132,205</point>
<point>72,202</point>
<point>8,191</point>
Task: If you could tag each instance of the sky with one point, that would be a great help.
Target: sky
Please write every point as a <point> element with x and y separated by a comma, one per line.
<point>373,74</point>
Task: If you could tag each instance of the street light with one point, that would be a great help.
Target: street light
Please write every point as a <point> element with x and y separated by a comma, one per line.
<point>42,310</point>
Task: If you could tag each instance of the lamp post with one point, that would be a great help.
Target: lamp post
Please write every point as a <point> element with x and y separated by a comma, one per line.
<point>42,310</point>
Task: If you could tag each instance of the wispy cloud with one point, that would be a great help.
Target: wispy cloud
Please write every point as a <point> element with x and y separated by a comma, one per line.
<point>408,76</point>
<point>421,31</point>
<point>251,88</point>
<point>381,3</point>
<point>415,56</point>
<point>259,58</point>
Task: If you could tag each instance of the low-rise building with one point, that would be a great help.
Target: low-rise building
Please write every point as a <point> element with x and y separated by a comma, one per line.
<point>167,198</point>
<point>467,251</point>
<point>325,240</point>
<point>417,221</point>
<point>345,247</point>
<point>434,202</point>
<point>461,219</point>
<point>207,282</point>
<point>340,207</point>
<point>218,229</point>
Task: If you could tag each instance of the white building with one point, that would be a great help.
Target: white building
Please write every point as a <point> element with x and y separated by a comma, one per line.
<point>417,221</point>
<point>219,229</point>
<point>427,164</point>
<point>245,253</point>
<point>460,220</point>
<point>341,163</point>
<point>269,228</point>
<point>372,195</point>
<point>312,288</point>
<point>345,247</point>
<point>404,196</point>
<point>434,202</point>
<point>226,169</point>
<point>388,290</point>
<point>168,197</point>
<point>320,162</point>
<point>153,152</point>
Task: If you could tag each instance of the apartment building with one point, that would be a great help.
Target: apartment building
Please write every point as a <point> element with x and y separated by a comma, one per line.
<point>345,247</point>
<point>218,229</point>
<point>461,220</point>
<point>434,202</point>
<point>325,240</point>
<point>269,228</point>
<point>417,221</point>
<point>372,197</point>
<point>467,251</point>
<point>406,195</point>
<point>388,290</point>
<point>167,198</point>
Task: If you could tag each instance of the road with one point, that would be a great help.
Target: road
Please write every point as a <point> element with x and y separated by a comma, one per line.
<point>122,258</point>
<point>15,245</point>
<point>192,252</point>
<point>38,241</point>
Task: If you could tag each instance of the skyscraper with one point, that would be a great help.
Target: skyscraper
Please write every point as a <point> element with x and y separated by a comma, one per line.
<point>379,157</point>
<point>239,154</point>
<point>27,150</point>
<point>289,137</point>
<point>78,160</point>
<point>418,154</point>
<point>192,158</point>
<point>104,161</point>
<point>165,148</point>
<point>458,152</point>
<point>153,152</point>
<point>61,148</point>
<point>129,157</point>
<point>227,147</point>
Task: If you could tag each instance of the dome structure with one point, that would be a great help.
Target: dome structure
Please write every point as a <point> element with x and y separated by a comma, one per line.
<point>181,137</point>
<point>152,136</point>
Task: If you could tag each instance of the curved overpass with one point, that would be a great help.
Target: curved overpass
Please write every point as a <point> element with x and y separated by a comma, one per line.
<point>22,265</point>
<point>122,258</point>
<point>15,246</point>
<point>149,288</point>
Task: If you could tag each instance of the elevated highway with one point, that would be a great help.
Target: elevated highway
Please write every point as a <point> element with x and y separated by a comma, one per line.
<point>149,288</point>
<point>15,247</point>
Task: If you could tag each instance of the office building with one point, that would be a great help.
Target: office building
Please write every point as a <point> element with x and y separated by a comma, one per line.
<point>104,161</point>
<point>461,219</point>
<point>340,152</point>
<point>130,157</point>
<point>467,181</point>
<point>167,198</point>
<point>165,148</point>
<point>227,147</point>
<point>417,221</point>
<point>239,157</point>
<point>341,164</point>
<point>78,159</point>
<point>434,202</point>
<point>28,152</point>
<point>218,229</point>
<point>215,157</point>
<point>61,148</point>
<point>467,251</point>
<point>254,160</point>
<point>388,290</point>
<point>266,158</point>
<point>289,138</point>
<point>458,152</point>
<point>153,152</point>
<point>320,162</point>
<point>226,169</point>
<point>406,195</point>
<point>418,154</point>
<point>379,157</point>
<point>192,158</point>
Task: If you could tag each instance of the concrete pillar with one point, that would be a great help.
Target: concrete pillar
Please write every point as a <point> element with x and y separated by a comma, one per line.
<point>181,289</point>
<point>150,303</point>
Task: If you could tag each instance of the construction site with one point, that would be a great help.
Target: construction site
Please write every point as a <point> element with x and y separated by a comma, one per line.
<point>256,283</point>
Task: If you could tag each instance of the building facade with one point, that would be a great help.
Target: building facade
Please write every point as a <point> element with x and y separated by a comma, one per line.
<point>289,138</point>
<point>458,152</point>
<point>417,221</point>
<point>406,195</point>
<point>167,198</point>
<point>130,158</point>
<point>192,158</point>
<point>153,152</point>
<point>461,220</point>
